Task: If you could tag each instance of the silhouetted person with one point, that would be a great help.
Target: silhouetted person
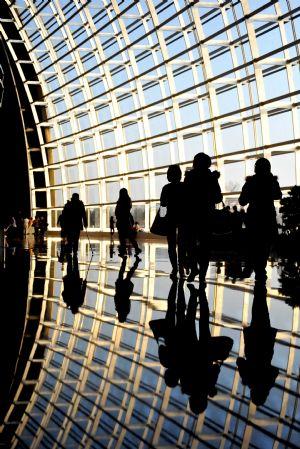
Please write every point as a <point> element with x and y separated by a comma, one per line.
<point>125,222</point>
<point>74,217</point>
<point>124,289</point>
<point>255,369</point>
<point>260,191</point>
<point>43,226</point>
<point>74,286</point>
<point>173,197</point>
<point>11,229</point>
<point>203,193</point>
<point>112,225</point>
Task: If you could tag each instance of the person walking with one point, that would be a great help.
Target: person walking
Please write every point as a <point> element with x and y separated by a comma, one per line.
<point>202,194</point>
<point>259,192</point>
<point>125,223</point>
<point>74,219</point>
<point>173,197</point>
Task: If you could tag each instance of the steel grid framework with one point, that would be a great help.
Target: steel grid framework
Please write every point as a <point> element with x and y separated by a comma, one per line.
<point>95,382</point>
<point>128,87</point>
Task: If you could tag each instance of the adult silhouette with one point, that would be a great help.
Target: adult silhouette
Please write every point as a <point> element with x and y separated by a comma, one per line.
<point>74,286</point>
<point>74,218</point>
<point>259,192</point>
<point>125,222</point>
<point>173,197</point>
<point>124,289</point>
<point>202,194</point>
<point>255,368</point>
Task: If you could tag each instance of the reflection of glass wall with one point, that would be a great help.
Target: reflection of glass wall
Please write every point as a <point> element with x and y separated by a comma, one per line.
<point>92,381</point>
<point>131,87</point>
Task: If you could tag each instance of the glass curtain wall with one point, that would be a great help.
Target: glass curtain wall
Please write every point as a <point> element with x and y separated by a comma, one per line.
<point>133,86</point>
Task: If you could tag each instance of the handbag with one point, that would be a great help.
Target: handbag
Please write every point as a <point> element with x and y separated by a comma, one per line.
<point>159,225</point>
<point>221,221</point>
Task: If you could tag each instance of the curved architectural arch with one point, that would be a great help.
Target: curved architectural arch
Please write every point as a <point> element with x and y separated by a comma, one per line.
<point>121,89</point>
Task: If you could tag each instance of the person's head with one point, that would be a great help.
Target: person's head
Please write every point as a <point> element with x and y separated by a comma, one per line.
<point>123,194</point>
<point>174,173</point>
<point>75,197</point>
<point>234,208</point>
<point>262,167</point>
<point>201,161</point>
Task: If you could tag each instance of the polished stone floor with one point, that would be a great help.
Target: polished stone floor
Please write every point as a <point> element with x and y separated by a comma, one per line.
<point>91,375</point>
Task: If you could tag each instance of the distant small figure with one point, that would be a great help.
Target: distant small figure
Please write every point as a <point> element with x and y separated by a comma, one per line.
<point>255,368</point>
<point>136,227</point>
<point>74,286</point>
<point>112,225</point>
<point>125,222</point>
<point>11,228</point>
<point>28,226</point>
<point>260,191</point>
<point>172,197</point>
<point>124,289</point>
<point>236,225</point>
<point>74,218</point>
<point>43,226</point>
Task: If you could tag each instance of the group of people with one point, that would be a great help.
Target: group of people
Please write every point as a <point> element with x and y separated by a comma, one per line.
<point>191,216</point>
<point>194,359</point>
<point>20,227</point>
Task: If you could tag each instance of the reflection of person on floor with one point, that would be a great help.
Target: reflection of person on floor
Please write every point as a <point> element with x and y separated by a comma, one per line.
<point>203,357</point>
<point>74,286</point>
<point>193,362</point>
<point>260,191</point>
<point>124,289</point>
<point>111,247</point>
<point>256,369</point>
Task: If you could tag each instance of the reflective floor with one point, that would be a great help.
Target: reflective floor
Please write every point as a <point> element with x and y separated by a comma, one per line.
<point>95,375</point>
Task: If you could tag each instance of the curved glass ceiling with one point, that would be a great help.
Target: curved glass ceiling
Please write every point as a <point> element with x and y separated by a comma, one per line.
<point>132,86</point>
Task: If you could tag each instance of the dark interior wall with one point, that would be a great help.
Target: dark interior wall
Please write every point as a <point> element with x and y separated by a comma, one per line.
<point>14,178</point>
